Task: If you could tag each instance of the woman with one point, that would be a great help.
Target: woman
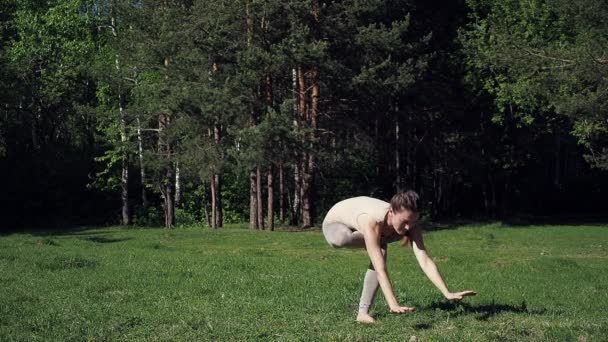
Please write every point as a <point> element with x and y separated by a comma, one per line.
<point>365,222</point>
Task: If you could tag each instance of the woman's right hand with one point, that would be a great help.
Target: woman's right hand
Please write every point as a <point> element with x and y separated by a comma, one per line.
<point>401,309</point>
<point>460,295</point>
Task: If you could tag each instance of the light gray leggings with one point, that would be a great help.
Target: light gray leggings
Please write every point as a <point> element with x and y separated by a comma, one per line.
<point>340,236</point>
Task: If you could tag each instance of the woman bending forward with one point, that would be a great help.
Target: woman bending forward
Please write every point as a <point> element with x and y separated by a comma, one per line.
<point>365,222</point>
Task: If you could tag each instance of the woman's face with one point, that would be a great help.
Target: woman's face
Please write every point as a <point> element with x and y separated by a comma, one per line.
<point>403,220</point>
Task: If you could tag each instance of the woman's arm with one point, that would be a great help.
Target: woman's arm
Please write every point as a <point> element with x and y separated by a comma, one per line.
<point>371,233</point>
<point>430,269</point>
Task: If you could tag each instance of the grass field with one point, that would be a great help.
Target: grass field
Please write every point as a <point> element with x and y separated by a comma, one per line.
<point>533,283</point>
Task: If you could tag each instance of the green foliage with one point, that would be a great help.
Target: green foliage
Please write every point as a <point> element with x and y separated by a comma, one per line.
<point>542,57</point>
<point>194,201</point>
<point>274,140</point>
<point>109,178</point>
<point>52,50</point>
<point>147,217</point>
<point>383,47</point>
<point>185,219</point>
<point>491,114</point>
<point>235,201</point>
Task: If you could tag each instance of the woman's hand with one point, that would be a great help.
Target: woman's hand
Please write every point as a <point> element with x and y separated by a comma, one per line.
<point>459,295</point>
<point>401,309</point>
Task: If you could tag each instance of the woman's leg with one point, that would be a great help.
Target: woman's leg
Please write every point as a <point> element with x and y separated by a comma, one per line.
<point>340,236</point>
<point>370,288</point>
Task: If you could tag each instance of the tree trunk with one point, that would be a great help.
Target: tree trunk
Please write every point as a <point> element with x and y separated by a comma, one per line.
<point>281,195</point>
<point>484,193</point>
<point>310,166</point>
<point>253,201</point>
<point>411,144</point>
<point>302,95</point>
<point>219,219</point>
<point>177,185</point>
<point>269,93</point>
<point>306,193</point>
<point>124,183</point>
<point>440,192</point>
<point>556,176</point>
<point>124,180</point>
<point>254,187</point>
<point>294,89</point>
<point>269,107</point>
<point>167,182</point>
<point>34,127</point>
<point>309,115</point>
<point>254,177</point>
<point>144,198</point>
<point>298,108</point>
<point>249,23</point>
<point>217,180</point>
<point>270,200</point>
<point>288,201</point>
<point>213,202</point>
<point>165,150</point>
<point>314,10</point>
<point>295,209</point>
<point>205,211</point>
<point>376,141</point>
<point>169,203</point>
<point>260,207</point>
<point>397,161</point>
<point>301,162</point>
<point>216,201</point>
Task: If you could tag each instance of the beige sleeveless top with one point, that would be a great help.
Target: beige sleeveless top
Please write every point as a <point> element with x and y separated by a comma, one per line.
<point>349,210</point>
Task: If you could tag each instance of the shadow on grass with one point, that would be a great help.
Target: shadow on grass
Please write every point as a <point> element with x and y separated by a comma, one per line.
<point>519,221</point>
<point>481,312</point>
<point>432,226</point>
<point>63,263</point>
<point>422,326</point>
<point>72,231</point>
<point>82,230</point>
<point>557,220</point>
<point>296,229</point>
<point>484,311</point>
<point>103,239</point>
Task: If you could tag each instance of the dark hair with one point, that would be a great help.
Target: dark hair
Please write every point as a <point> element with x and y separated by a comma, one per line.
<point>405,200</point>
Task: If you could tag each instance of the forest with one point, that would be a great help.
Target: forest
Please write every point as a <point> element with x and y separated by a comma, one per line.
<point>169,112</point>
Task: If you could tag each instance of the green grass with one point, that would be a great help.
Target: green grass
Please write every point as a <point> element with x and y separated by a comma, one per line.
<point>534,283</point>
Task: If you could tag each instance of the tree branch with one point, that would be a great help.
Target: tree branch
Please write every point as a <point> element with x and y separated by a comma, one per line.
<point>547,57</point>
<point>602,60</point>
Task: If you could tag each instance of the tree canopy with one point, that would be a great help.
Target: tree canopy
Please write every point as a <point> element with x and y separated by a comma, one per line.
<point>175,112</point>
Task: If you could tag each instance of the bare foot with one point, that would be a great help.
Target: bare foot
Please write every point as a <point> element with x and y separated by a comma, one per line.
<point>365,318</point>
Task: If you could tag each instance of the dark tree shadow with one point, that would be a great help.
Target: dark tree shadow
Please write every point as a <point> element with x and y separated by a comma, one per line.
<point>481,312</point>
<point>37,231</point>
<point>68,231</point>
<point>453,224</point>
<point>422,326</point>
<point>103,239</point>
<point>484,311</point>
<point>296,229</point>
<point>519,222</point>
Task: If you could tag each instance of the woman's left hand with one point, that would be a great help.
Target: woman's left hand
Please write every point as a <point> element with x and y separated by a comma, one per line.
<point>459,295</point>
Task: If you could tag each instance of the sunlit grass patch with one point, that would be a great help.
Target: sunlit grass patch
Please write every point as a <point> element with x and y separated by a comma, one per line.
<point>534,283</point>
